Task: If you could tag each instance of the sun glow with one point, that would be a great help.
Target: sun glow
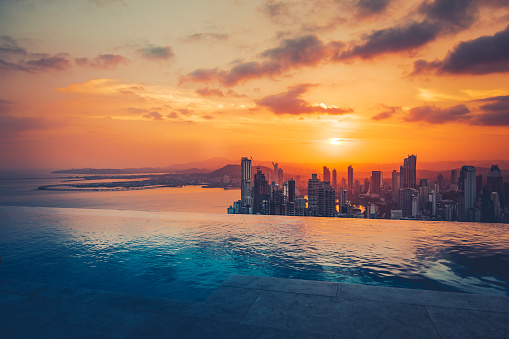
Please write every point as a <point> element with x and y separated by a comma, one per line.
<point>335,141</point>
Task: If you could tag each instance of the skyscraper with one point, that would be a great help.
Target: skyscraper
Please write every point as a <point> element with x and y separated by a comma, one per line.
<point>350,178</point>
<point>467,187</point>
<point>454,177</point>
<point>245,185</point>
<point>395,181</point>
<point>326,174</point>
<point>260,192</point>
<point>313,186</point>
<point>440,180</point>
<point>334,180</point>
<point>376,182</point>
<point>276,172</point>
<point>410,168</point>
<point>495,182</point>
<point>290,190</point>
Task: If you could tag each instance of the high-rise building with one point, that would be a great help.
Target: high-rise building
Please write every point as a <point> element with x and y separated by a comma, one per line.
<point>343,183</point>
<point>410,168</point>
<point>290,186</point>
<point>395,181</point>
<point>495,183</point>
<point>408,201</point>
<point>276,172</point>
<point>440,181</point>
<point>334,180</point>
<point>423,182</point>
<point>401,177</point>
<point>245,184</point>
<point>366,186</point>
<point>376,182</point>
<point>326,174</point>
<point>350,178</point>
<point>313,186</point>
<point>260,192</point>
<point>454,177</point>
<point>467,183</point>
<point>280,177</point>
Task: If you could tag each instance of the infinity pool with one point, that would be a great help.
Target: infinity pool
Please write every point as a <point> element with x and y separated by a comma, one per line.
<point>187,255</point>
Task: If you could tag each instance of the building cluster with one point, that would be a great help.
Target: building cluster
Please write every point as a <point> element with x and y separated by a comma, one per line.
<point>466,198</point>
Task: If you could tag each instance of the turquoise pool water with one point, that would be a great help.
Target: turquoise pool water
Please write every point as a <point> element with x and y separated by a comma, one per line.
<point>187,255</point>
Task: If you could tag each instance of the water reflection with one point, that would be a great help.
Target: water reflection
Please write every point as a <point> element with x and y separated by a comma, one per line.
<point>187,255</point>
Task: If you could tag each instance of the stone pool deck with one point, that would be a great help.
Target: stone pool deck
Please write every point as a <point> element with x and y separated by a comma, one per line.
<point>252,307</point>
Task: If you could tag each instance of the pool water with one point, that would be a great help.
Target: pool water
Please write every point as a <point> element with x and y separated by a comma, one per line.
<point>187,255</point>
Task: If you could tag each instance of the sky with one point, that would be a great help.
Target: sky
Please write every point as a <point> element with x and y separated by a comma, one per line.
<point>128,83</point>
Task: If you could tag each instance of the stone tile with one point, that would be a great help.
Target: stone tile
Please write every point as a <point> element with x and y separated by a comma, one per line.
<point>166,326</point>
<point>455,323</point>
<point>283,285</point>
<point>425,297</point>
<point>342,317</point>
<point>35,317</point>
<point>226,304</point>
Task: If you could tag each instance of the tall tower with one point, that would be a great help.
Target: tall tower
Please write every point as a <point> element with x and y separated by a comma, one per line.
<point>260,192</point>
<point>326,174</point>
<point>376,182</point>
<point>245,184</point>
<point>350,178</point>
<point>495,182</point>
<point>410,165</point>
<point>276,172</point>
<point>334,180</point>
<point>468,197</point>
<point>454,177</point>
<point>395,181</point>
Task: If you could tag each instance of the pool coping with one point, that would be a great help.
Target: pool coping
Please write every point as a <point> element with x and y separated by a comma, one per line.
<point>246,306</point>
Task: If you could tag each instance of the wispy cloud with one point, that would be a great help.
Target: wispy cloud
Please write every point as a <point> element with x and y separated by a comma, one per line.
<point>103,61</point>
<point>154,52</point>
<point>290,102</point>
<point>484,55</point>
<point>304,51</point>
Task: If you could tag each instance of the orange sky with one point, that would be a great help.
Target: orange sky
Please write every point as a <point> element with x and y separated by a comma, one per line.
<point>106,83</point>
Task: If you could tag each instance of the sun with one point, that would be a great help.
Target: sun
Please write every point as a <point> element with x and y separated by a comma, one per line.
<point>335,141</point>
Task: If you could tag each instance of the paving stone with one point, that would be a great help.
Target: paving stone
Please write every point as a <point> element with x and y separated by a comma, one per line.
<point>283,285</point>
<point>226,304</point>
<point>47,291</point>
<point>455,323</point>
<point>342,317</point>
<point>166,326</point>
<point>35,317</point>
<point>425,297</point>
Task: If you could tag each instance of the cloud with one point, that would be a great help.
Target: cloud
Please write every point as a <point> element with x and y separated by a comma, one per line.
<point>172,115</point>
<point>290,102</point>
<point>366,8</point>
<point>437,115</point>
<point>57,62</point>
<point>273,8</point>
<point>153,116</point>
<point>207,37</point>
<point>9,46</point>
<point>389,112</point>
<point>215,92</point>
<point>439,17</point>
<point>494,113</point>
<point>303,51</point>
<point>103,61</point>
<point>153,52</point>
<point>6,106</point>
<point>208,117</point>
<point>394,39</point>
<point>484,55</point>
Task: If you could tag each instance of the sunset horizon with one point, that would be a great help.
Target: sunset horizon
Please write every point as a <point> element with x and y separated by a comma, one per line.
<point>115,84</point>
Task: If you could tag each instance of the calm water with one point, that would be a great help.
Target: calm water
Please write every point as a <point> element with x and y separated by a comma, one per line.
<point>187,255</point>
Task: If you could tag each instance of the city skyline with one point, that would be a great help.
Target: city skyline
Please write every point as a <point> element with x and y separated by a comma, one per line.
<point>153,83</point>
<point>467,198</point>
